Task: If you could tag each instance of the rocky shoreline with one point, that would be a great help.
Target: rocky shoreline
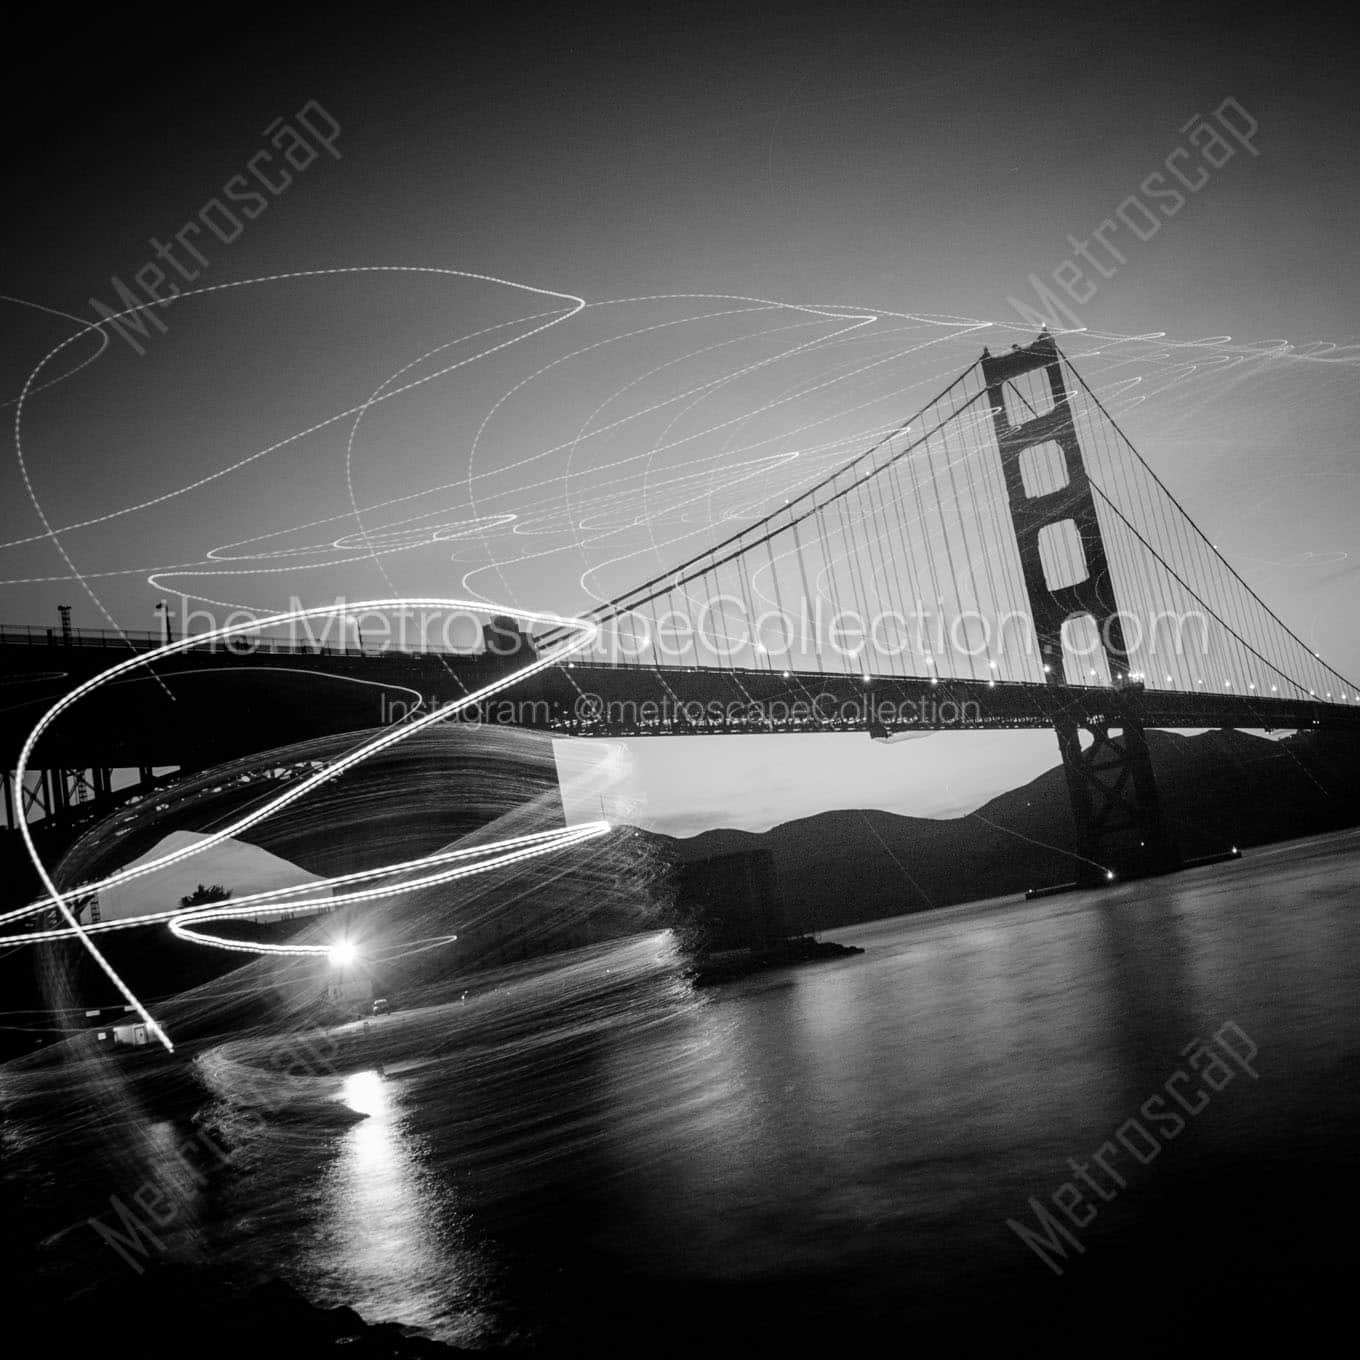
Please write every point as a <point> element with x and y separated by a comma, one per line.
<point>172,1311</point>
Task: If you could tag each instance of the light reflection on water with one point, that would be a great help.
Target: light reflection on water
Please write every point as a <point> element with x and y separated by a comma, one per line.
<point>376,1205</point>
<point>388,1230</point>
<point>366,1093</point>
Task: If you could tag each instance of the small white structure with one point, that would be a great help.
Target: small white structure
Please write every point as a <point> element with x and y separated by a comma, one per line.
<point>124,1032</point>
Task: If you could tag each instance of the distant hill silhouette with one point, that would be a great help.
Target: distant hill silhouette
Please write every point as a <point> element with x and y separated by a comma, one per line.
<point>1219,789</point>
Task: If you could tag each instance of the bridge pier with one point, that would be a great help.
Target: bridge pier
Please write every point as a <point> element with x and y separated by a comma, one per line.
<point>1115,805</point>
<point>1114,799</point>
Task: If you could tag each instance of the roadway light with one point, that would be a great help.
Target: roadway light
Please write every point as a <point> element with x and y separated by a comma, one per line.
<point>1109,875</point>
<point>343,952</point>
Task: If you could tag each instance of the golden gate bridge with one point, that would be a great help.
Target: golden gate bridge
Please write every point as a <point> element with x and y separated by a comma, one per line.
<point>1004,558</point>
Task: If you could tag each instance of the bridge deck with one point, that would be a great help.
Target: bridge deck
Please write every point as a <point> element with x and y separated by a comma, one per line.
<point>202,707</point>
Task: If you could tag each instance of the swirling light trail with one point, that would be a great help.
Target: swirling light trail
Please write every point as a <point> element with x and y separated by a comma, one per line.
<point>582,635</point>
<point>537,843</point>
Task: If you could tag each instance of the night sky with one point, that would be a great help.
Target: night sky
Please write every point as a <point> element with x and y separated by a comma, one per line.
<point>699,177</point>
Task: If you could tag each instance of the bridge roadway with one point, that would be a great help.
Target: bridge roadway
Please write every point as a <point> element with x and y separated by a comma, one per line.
<point>202,707</point>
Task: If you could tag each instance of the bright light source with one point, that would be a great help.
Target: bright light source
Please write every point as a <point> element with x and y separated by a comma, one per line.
<point>1109,875</point>
<point>343,953</point>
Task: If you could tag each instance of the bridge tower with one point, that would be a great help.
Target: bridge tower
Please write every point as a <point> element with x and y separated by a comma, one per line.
<point>1110,781</point>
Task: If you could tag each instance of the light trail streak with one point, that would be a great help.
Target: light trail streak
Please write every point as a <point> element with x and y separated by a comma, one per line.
<point>529,846</point>
<point>30,386</point>
<point>273,899</point>
<point>511,851</point>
